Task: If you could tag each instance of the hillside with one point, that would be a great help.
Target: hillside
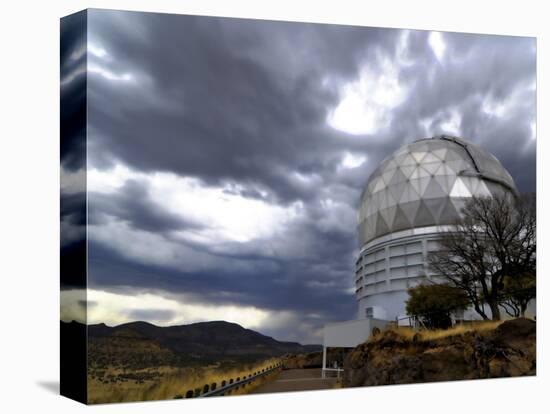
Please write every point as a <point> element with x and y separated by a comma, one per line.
<point>201,342</point>
<point>140,361</point>
<point>402,357</point>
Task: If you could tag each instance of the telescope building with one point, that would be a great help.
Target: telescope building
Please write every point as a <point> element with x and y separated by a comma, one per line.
<point>409,200</point>
<point>414,196</point>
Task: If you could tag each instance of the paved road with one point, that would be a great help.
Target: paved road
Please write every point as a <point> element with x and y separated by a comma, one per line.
<point>297,380</point>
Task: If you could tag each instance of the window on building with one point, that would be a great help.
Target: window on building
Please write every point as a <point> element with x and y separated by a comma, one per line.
<point>369,312</point>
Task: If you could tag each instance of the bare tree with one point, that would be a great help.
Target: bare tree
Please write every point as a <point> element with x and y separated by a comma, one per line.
<point>494,242</point>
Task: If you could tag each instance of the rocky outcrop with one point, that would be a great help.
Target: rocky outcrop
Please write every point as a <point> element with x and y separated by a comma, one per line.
<point>313,359</point>
<point>299,361</point>
<point>393,358</point>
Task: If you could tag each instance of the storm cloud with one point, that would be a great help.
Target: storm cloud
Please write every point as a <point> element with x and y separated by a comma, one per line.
<point>226,157</point>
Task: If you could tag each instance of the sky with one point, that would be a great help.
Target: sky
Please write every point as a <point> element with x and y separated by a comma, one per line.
<point>226,157</point>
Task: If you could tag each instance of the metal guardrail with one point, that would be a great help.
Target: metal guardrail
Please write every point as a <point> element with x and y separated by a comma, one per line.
<point>337,370</point>
<point>227,386</point>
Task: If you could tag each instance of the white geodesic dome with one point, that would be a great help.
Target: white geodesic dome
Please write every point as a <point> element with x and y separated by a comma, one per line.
<point>426,183</point>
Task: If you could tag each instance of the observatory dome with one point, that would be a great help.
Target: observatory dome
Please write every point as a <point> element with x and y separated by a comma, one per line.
<point>426,183</point>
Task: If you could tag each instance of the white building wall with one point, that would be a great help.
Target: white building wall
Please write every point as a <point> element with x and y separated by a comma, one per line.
<point>387,305</point>
<point>349,334</point>
<point>388,266</point>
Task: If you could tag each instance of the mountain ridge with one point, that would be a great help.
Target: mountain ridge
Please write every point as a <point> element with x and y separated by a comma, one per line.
<point>199,341</point>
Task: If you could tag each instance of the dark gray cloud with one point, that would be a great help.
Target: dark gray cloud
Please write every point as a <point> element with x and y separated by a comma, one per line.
<point>133,204</point>
<point>87,304</point>
<point>243,104</point>
<point>497,68</point>
<point>287,288</point>
<point>230,109</point>
<point>73,91</point>
<point>73,150</point>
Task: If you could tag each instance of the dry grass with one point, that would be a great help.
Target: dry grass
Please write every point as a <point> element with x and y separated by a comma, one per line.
<point>433,334</point>
<point>338,384</point>
<point>171,383</point>
<point>255,384</point>
<point>478,327</point>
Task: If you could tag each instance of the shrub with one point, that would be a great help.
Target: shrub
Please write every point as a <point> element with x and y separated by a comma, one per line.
<point>433,304</point>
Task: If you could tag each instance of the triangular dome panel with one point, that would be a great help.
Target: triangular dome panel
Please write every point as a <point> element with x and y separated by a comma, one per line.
<point>435,205</point>
<point>408,160</point>
<point>448,214</point>
<point>408,170</point>
<point>397,190</point>
<point>380,184</point>
<point>459,189</point>
<point>400,221</point>
<point>432,167</point>
<point>398,177</point>
<point>430,157</point>
<point>381,226</point>
<point>410,210</point>
<point>409,194</point>
<point>418,156</point>
<point>440,153</point>
<point>434,190</point>
<point>424,216</point>
<point>389,215</point>
<point>387,175</point>
<point>446,182</point>
<point>482,190</point>
<point>420,185</point>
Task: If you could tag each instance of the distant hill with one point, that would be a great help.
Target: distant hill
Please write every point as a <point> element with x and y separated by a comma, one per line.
<point>201,342</point>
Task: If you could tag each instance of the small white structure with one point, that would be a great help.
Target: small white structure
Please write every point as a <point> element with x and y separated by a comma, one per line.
<point>348,334</point>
